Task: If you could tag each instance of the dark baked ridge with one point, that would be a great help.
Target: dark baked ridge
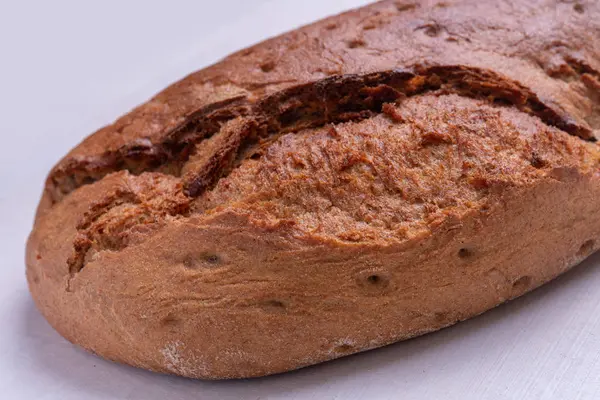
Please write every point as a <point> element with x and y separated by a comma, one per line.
<point>557,64</point>
<point>331,100</point>
<point>352,98</point>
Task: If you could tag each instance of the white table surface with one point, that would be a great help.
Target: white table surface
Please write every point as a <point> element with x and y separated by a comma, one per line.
<point>69,66</point>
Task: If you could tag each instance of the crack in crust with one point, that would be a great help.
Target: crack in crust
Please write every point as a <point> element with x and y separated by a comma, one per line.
<point>217,139</point>
<point>142,155</point>
<point>590,78</point>
<point>113,222</point>
<point>331,100</point>
<point>83,241</point>
<point>352,98</point>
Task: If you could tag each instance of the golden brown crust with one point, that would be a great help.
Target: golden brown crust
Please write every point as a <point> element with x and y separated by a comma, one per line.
<point>371,177</point>
<point>547,46</point>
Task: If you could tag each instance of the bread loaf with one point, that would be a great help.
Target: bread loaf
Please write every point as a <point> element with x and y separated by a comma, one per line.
<point>366,179</point>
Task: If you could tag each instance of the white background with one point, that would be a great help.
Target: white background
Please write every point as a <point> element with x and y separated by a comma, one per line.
<point>69,66</point>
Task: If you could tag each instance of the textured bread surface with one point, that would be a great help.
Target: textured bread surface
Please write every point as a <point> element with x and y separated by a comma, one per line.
<point>366,179</point>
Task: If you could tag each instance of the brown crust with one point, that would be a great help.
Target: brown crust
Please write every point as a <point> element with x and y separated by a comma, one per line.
<point>158,136</point>
<point>352,98</point>
<point>425,132</point>
<point>331,100</point>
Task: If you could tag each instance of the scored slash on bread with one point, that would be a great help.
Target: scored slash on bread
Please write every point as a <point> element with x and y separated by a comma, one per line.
<point>371,177</point>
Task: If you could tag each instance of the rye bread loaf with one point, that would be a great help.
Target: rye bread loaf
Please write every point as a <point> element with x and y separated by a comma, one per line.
<point>366,179</point>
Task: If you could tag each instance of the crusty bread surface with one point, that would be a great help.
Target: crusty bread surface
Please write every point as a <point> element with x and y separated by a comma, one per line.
<point>362,180</point>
